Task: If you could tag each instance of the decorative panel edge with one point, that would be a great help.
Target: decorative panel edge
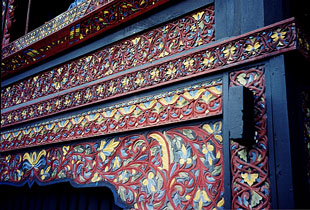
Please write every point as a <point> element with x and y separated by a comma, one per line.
<point>192,102</point>
<point>271,40</point>
<point>249,165</point>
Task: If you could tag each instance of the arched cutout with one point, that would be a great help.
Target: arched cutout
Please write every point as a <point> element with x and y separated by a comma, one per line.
<point>58,196</point>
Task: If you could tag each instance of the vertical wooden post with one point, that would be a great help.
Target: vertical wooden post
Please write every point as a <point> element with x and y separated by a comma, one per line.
<point>28,14</point>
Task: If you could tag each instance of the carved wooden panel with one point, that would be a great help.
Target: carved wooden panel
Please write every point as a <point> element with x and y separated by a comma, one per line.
<point>176,168</point>
<point>249,165</point>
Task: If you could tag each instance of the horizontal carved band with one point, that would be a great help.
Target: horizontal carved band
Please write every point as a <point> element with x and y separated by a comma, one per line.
<point>106,17</point>
<point>47,29</point>
<point>179,168</point>
<point>193,102</point>
<point>183,34</point>
<point>268,41</point>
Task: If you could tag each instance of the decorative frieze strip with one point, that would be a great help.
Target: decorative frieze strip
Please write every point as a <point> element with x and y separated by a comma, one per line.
<point>193,102</point>
<point>268,41</point>
<point>176,168</point>
<point>52,26</point>
<point>102,19</point>
<point>183,34</point>
<point>45,30</point>
<point>249,166</point>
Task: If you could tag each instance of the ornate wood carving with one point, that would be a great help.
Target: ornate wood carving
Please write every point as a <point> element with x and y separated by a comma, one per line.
<point>249,166</point>
<point>178,168</point>
<point>183,34</point>
<point>193,102</point>
<point>261,43</point>
<point>88,26</point>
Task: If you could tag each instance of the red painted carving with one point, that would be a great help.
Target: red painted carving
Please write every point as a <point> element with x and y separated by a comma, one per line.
<point>194,102</point>
<point>255,45</point>
<point>161,42</point>
<point>102,19</point>
<point>179,168</point>
<point>249,166</point>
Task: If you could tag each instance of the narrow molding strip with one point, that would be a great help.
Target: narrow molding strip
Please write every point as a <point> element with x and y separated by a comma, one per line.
<point>193,102</point>
<point>265,42</point>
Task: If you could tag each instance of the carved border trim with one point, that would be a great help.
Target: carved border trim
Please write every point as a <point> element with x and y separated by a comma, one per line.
<point>249,166</point>
<point>193,102</point>
<point>182,34</point>
<point>274,39</point>
<point>102,19</point>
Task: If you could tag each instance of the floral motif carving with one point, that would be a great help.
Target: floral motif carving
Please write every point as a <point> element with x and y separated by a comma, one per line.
<point>249,166</point>
<point>197,101</point>
<point>178,168</point>
<point>190,31</point>
<point>106,17</point>
<point>209,59</point>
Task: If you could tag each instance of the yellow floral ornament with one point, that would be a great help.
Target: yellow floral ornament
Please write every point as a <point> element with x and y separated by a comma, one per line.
<point>201,197</point>
<point>171,70</point>
<point>253,46</point>
<point>96,178</point>
<point>125,82</point>
<point>45,173</point>
<point>139,80</point>
<point>150,182</point>
<point>99,89</point>
<point>209,60</point>
<point>278,34</point>
<point>229,51</point>
<point>207,150</point>
<point>189,62</point>
<point>155,74</point>
<point>249,178</point>
<point>106,149</point>
<point>215,129</point>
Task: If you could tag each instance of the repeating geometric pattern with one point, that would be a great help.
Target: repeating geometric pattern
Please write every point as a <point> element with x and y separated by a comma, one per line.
<point>249,166</point>
<point>178,168</point>
<point>102,19</point>
<point>193,102</point>
<point>190,31</point>
<point>277,38</point>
